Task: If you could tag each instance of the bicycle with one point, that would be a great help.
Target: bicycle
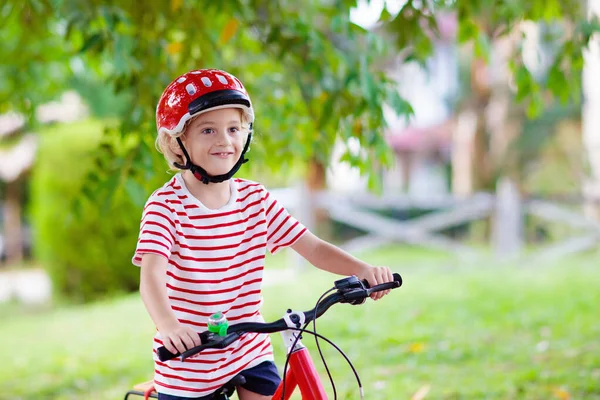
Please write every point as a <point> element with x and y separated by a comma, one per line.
<point>302,372</point>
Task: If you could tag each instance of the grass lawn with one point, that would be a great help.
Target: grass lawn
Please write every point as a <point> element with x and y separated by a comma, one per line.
<point>451,332</point>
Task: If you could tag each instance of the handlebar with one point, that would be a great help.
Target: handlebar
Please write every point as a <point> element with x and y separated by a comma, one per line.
<point>349,290</point>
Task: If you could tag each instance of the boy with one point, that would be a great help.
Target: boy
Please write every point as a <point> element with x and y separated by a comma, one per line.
<point>203,239</point>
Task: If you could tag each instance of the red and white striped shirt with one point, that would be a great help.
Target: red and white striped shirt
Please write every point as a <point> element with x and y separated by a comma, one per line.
<point>216,260</point>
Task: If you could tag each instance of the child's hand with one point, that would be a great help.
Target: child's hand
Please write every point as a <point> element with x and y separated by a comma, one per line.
<point>179,338</point>
<point>376,276</point>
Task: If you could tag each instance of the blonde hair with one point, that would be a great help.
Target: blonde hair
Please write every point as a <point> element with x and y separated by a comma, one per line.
<point>165,142</point>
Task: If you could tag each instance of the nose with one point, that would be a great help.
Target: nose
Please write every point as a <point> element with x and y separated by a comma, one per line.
<point>223,138</point>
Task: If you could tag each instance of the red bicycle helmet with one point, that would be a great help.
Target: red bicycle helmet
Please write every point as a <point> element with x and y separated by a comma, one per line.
<point>196,92</point>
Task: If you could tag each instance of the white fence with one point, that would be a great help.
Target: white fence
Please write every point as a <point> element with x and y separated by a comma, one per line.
<point>505,208</point>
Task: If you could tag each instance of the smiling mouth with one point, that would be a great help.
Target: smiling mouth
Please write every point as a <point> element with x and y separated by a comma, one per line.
<point>222,154</point>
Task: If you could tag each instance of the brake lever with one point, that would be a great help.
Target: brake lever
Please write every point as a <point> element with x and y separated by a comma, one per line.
<point>355,296</point>
<point>352,289</point>
<point>350,282</point>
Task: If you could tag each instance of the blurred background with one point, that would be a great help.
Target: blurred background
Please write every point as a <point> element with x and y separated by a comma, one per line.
<point>456,142</point>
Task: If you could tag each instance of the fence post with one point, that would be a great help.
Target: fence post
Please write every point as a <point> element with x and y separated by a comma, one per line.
<point>507,224</point>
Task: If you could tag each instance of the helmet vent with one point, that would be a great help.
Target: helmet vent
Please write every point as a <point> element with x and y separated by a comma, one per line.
<point>222,79</point>
<point>207,82</point>
<point>191,89</point>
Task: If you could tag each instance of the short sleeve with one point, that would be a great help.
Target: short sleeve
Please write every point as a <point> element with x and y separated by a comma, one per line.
<point>157,231</point>
<point>283,230</point>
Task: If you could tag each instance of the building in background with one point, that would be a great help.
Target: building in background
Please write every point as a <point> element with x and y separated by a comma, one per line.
<point>422,144</point>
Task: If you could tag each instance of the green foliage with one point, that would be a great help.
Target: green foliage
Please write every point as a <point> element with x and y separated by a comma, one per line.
<point>314,76</point>
<point>100,99</point>
<point>34,64</point>
<point>482,22</point>
<point>309,70</point>
<point>85,245</point>
<point>567,35</point>
<point>312,73</point>
<point>549,153</point>
<point>483,333</point>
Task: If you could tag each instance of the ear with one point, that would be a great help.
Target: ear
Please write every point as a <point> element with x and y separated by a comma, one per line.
<point>174,146</point>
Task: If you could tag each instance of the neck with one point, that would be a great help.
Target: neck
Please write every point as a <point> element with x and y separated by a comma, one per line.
<point>212,195</point>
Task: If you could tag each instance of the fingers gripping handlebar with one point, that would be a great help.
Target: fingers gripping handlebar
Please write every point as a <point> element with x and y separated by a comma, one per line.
<point>349,290</point>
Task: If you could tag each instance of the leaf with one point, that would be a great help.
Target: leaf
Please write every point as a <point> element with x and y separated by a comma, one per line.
<point>535,106</point>
<point>135,191</point>
<point>374,182</point>
<point>367,83</point>
<point>94,40</point>
<point>524,81</point>
<point>558,84</point>
<point>482,46</point>
<point>229,30</point>
<point>174,48</point>
<point>385,15</point>
<point>467,30</point>
<point>176,5</point>
<point>399,105</point>
<point>551,10</point>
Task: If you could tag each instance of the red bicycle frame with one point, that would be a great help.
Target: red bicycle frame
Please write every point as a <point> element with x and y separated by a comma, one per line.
<point>302,374</point>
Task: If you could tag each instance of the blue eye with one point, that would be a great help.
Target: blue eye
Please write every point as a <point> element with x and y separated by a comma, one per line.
<point>207,131</point>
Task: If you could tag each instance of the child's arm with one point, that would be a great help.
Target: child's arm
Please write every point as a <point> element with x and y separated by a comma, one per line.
<point>328,257</point>
<point>176,337</point>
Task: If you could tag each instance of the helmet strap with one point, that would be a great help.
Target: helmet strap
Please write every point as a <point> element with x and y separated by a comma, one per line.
<point>201,174</point>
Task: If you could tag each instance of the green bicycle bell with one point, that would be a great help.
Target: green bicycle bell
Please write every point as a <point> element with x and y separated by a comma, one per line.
<point>217,323</point>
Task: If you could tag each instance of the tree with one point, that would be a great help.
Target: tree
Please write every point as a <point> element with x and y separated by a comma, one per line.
<point>302,80</point>
<point>314,75</point>
<point>312,72</point>
<point>494,35</point>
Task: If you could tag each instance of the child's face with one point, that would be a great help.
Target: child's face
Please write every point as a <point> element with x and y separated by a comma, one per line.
<point>215,140</point>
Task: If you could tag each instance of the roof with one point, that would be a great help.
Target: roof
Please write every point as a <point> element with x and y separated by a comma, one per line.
<point>423,140</point>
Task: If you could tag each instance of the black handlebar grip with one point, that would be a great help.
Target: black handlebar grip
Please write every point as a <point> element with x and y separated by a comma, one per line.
<point>396,283</point>
<point>164,354</point>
